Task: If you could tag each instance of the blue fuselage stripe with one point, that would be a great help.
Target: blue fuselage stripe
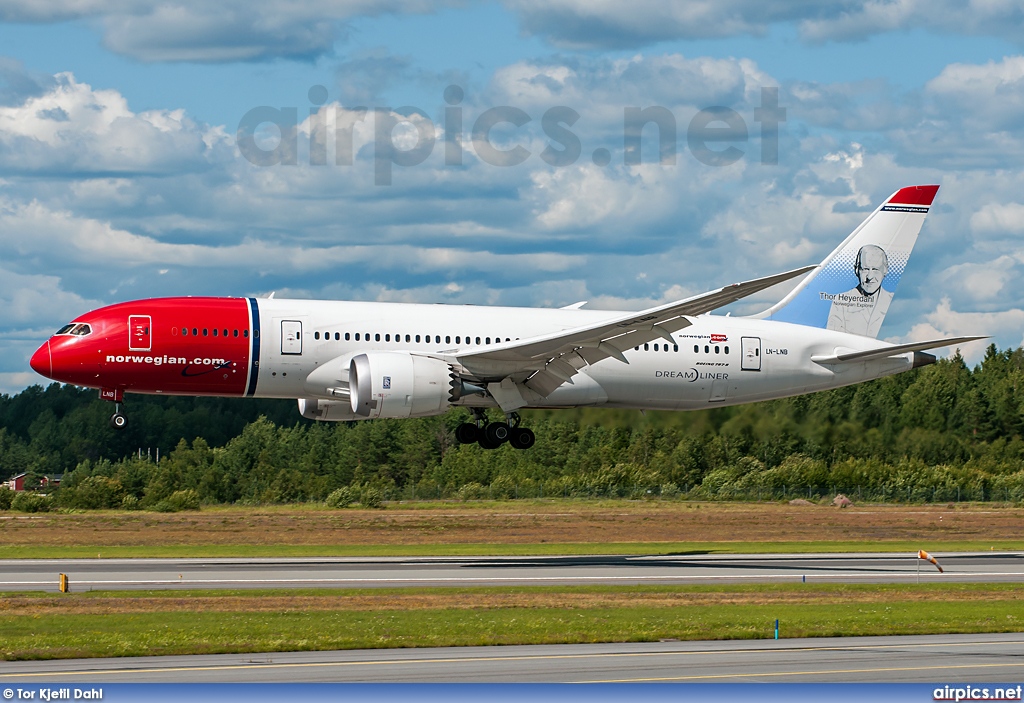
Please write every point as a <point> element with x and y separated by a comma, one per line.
<point>254,356</point>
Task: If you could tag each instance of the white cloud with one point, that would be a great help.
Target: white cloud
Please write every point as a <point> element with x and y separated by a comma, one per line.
<point>999,218</point>
<point>1006,328</point>
<point>72,129</point>
<point>983,282</point>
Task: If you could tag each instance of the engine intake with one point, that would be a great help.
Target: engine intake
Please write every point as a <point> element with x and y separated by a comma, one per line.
<point>398,385</point>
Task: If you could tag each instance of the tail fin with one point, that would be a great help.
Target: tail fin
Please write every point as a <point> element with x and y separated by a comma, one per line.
<point>851,289</point>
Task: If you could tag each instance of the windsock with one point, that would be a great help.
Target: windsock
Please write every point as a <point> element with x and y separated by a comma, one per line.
<point>928,557</point>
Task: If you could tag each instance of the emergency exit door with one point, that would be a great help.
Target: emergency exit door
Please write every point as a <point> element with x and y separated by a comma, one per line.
<point>291,337</point>
<point>750,353</point>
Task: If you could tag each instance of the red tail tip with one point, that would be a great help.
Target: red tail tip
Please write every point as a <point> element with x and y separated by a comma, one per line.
<point>915,195</point>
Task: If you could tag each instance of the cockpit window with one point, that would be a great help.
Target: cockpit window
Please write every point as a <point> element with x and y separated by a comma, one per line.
<point>76,329</point>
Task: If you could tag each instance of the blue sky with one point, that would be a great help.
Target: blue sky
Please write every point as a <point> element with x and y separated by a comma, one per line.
<point>120,175</point>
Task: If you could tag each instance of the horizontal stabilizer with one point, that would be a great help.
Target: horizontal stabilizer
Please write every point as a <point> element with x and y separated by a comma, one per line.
<point>891,350</point>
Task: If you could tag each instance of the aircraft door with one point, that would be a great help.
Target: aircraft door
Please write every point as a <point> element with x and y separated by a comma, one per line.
<point>140,333</point>
<point>750,353</point>
<point>291,337</point>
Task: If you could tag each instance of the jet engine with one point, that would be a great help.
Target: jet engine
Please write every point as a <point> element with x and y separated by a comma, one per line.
<point>398,384</point>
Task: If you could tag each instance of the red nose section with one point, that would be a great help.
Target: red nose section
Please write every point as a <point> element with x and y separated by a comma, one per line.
<point>41,362</point>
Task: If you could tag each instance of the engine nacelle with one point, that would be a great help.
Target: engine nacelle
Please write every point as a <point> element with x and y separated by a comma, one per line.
<point>327,410</point>
<point>397,384</point>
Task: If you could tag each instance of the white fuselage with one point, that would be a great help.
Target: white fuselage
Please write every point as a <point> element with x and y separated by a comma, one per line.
<point>715,361</point>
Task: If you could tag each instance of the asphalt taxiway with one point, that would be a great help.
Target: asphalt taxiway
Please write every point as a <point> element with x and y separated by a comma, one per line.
<point>938,658</point>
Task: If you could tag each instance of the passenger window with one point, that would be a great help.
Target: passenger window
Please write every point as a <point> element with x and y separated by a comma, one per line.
<point>195,331</point>
<point>487,340</point>
<point>447,340</point>
<point>225,333</point>
<point>214,331</point>
<point>407,339</point>
<point>184,331</point>
<point>675,348</point>
<point>347,337</point>
<point>437,339</point>
<point>417,339</point>
<point>647,347</point>
<point>707,349</point>
<point>716,348</point>
<point>245,333</point>
<point>316,335</point>
<point>235,333</point>
<point>387,338</point>
<point>376,337</point>
<point>727,350</point>
<point>655,347</point>
<point>696,349</point>
<point>478,340</point>
<point>457,338</point>
<point>206,332</point>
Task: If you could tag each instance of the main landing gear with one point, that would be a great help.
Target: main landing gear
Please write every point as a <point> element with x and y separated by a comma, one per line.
<point>492,435</point>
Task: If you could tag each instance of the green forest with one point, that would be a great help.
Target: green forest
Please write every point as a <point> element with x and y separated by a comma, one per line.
<point>945,432</point>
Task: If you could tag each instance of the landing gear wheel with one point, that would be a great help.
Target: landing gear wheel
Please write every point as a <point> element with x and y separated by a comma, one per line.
<point>486,443</point>
<point>497,433</point>
<point>522,438</point>
<point>467,433</point>
<point>118,420</point>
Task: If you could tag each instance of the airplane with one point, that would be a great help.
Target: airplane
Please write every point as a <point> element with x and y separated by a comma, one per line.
<point>346,361</point>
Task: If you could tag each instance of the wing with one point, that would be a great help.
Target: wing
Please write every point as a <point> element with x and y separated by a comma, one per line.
<point>542,364</point>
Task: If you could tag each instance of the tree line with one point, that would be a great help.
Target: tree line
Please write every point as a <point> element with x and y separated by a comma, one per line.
<point>942,433</point>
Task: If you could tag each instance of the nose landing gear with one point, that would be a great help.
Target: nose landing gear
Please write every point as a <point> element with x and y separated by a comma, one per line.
<point>118,420</point>
<point>115,395</point>
<point>493,435</point>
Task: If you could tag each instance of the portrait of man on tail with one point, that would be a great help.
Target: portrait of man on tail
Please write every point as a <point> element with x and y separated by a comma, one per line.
<point>862,309</point>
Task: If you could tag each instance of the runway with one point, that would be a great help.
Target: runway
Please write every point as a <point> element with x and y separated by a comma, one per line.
<point>939,658</point>
<point>97,574</point>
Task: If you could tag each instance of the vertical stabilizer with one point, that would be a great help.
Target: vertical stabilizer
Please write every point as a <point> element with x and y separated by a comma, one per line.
<point>852,288</point>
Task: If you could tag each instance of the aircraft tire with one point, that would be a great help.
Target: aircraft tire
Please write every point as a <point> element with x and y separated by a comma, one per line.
<point>497,433</point>
<point>118,421</point>
<point>467,433</point>
<point>522,438</point>
<point>486,443</point>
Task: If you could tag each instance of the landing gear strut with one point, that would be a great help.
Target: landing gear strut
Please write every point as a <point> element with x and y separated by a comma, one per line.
<point>493,435</point>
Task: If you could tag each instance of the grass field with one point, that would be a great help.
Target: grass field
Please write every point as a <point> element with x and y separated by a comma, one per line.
<point>513,528</point>
<point>100,624</point>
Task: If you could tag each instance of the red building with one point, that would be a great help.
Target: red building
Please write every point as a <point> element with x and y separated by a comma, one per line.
<point>16,483</point>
